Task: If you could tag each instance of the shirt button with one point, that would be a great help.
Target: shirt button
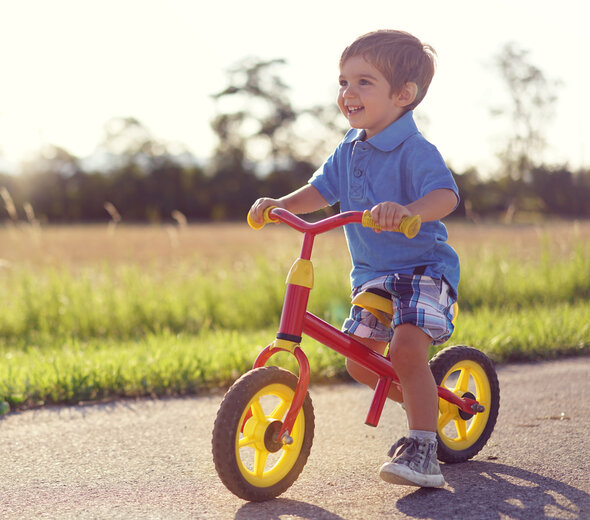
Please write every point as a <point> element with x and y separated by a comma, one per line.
<point>358,173</point>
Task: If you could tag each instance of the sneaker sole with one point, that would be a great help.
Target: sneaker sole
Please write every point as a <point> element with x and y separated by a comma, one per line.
<point>402,475</point>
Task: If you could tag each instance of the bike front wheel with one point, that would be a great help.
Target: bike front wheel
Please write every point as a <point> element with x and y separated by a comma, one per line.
<point>467,372</point>
<point>249,458</point>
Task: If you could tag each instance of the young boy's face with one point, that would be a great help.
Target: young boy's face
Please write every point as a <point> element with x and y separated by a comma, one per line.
<point>365,97</point>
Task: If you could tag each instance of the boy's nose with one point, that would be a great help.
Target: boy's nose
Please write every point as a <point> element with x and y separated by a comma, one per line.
<point>348,92</point>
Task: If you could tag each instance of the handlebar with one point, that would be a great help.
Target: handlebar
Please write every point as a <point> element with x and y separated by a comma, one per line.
<point>409,226</point>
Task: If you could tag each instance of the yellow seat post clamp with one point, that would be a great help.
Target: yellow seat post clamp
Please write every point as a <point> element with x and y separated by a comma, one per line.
<point>301,273</point>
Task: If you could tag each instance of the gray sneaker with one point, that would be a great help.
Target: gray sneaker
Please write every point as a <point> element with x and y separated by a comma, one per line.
<point>414,464</point>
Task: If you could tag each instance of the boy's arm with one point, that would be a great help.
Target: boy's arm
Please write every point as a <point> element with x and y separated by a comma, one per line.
<point>433,206</point>
<point>304,200</point>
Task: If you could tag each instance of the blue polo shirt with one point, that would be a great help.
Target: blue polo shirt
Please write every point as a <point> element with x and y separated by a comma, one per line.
<point>400,165</point>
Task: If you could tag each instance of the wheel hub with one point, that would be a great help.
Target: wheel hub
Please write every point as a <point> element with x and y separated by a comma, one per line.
<point>271,436</point>
<point>466,415</point>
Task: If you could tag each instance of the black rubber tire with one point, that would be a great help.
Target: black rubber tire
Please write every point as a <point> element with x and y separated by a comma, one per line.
<point>227,426</point>
<point>440,364</point>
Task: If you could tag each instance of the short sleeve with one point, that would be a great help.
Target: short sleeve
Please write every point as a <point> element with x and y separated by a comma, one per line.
<point>325,179</point>
<point>429,171</point>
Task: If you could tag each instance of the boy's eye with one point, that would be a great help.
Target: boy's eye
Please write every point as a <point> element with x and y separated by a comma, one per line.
<point>343,83</point>
<point>364,82</point>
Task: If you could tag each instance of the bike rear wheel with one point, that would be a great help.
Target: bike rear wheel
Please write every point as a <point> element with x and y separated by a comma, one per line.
<point>250,459</point>
<point>466,372</point>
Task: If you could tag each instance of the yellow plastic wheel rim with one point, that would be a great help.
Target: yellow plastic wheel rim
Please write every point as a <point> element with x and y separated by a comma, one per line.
<point>257,465</point>
<point>455,432</point>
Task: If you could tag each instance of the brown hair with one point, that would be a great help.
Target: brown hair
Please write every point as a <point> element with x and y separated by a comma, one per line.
<point>399,56</point>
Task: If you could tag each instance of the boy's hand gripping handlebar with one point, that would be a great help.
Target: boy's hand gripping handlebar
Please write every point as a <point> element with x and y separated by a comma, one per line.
<point>266,219</point>
<point>409,226</point>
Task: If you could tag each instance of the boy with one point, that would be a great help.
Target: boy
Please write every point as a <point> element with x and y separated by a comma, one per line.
<point>385,165</point>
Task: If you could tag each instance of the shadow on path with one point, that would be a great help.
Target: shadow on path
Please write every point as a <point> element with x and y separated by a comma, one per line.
<point>281,507</point>
<point>490,491</point>
<point>482,490</point>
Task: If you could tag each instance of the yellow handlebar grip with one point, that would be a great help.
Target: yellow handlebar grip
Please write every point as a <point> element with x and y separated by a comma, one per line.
<point>267,219</point>
<point>367,221</point>
<point>252,224</point>
<point>409,226</point>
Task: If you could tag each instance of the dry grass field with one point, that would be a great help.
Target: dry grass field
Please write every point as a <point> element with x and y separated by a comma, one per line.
<point>83,245</point>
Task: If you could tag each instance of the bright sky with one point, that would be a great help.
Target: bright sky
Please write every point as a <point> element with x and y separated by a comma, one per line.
<point>68,66</point>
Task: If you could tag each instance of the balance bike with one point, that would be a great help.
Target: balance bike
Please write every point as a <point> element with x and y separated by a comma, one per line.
<point>264,428</point>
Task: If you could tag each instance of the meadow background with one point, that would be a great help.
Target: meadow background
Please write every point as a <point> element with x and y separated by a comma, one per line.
<point>150,305</point>
<point>96,312</point>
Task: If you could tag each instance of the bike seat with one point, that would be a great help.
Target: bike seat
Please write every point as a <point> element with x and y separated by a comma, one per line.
<point>378,303</point>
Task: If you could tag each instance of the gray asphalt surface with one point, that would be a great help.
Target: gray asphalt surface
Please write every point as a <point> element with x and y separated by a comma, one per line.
<point>151,459</point>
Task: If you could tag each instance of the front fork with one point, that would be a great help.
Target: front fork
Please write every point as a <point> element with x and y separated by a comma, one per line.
<point>300,392</point>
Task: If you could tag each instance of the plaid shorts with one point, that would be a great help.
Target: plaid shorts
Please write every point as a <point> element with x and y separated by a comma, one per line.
<point>417,299</point>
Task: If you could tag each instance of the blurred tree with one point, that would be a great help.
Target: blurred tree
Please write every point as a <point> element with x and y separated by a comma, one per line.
<point>531,104</point>
<point>87,192</point>
<point>280,181</point>
<point>320,130</point>
<point>257,122</point>
<point>129,140</point>
<point>45,178</point>
<point>260,124</point>
<point>147,181</point>
<point>563,192</point>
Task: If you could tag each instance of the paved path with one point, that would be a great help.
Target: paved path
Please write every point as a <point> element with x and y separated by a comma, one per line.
<point>151,459</point>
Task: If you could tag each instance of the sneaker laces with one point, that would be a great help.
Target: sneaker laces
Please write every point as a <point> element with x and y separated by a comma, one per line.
<point>405,444</point>
<point>406,448</point>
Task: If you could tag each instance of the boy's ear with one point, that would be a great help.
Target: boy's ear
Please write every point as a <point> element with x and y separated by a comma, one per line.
<point>407,94</point>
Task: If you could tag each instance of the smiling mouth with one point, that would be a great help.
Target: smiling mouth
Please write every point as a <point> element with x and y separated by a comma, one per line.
<point>352,110</point>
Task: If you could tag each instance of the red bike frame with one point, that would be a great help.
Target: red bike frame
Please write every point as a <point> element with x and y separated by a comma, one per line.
<point>296,321</point>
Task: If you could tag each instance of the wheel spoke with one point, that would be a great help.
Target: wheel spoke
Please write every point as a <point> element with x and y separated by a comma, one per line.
<point>463,381</point>
<point>246,441</point>
<point>461,429</point>
<point>445,418</point>
<point>260,457</point>
<point>257,411</point>
<point>280,410</point>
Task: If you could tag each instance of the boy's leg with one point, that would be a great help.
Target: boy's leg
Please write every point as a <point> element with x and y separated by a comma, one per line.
<point>367,377</point>
<point>409,357</point>
<point>414,459</point>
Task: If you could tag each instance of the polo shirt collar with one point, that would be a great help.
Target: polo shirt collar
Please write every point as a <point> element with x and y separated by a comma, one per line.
<point>389,138</point>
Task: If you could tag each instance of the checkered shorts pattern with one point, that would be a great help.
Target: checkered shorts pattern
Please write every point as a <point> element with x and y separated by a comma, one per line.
<point>417,299</point>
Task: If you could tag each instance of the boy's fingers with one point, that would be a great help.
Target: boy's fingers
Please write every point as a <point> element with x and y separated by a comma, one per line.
<point>376,213</point>
<point>255,214</point>
<point>258,210</point>
<point>383,216</point>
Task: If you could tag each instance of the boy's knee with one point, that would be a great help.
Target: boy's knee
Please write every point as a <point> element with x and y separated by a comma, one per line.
<point>360,374</point>
<point>403,354</point>
<point>409,349</point>
<point>353,368</point>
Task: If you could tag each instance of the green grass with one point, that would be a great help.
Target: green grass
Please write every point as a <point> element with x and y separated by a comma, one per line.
<point>171,364</point>
<point>157,365</point>
<point>101,331</point>
<point>127,302</point>
<point>538,332</point>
